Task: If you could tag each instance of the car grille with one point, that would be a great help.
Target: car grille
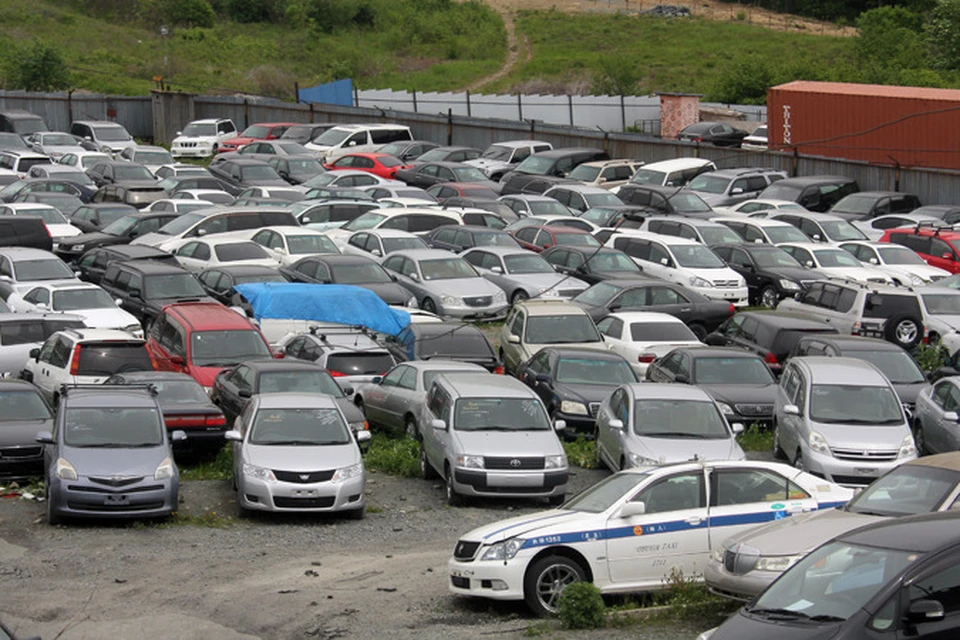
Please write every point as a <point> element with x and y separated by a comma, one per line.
<point>116,482</point>
<point>187,145</point>
<point>754,409</point>
<point>20,453</point>
<point>465,550</point>
<point>513,463</point>
<point>594,408</point>
<point>726,284</point>
<point>304,503</point>
<point>740,560</point>
<point>478,301</point>
<point>859,481</point>
<point>864,455</point>
<point>98,490</point>
<point>139,506</point>
<point>304,477</point>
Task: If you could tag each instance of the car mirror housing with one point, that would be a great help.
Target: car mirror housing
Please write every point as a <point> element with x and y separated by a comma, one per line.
<point>438,424</point>
<point>951,416</point>
<point>791,409</point>
<point>633,509</point>
<point>377,380</point>
<point>925,611</point>
<point>559,425</point>
<point>244,393</point>
<point>44,437</point>
<point>233,435</point>
<point>615,424</point>
<point>737,427</point>
<point>35,354</point>
<point>363,436</point>
<point>513,339</point>
<point>178,435</point>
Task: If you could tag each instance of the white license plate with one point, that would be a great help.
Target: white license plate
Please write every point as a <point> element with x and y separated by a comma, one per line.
<point>515,479</point>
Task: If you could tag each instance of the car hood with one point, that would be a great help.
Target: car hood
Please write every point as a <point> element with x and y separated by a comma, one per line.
<point>743,393</point>
<point>140,184</point>
<point>800,533</point>
<point>96,237</point>
<point>486,164</point>
<point>206,375</point>
<point>267,182</point>
<point>547,281</point>
<point>543,442</point>
<point>585,392</point>
<point>153,239</point>
<point>670,450</point>
<point>861,437</point>
<point>115,462</point>
<point>923,270</point>
<point>951,321</point>
<point>524,526</point>
<point>463,287</point>
<point>389,292</point>
<point>743,627</point>
<point>238,141</point>
<point>908,392</point>
<point>109,318</point>
<point>23,432</point>
<point>302,458</point>
<point>798,274</point>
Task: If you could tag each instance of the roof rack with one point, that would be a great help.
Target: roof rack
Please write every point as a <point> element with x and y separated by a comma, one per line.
<point>149,387</point>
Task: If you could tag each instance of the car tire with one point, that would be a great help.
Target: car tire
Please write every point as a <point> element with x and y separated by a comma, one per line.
<point>698,330</point>
<point>769,297</point>
<point>52,518</point>
<point>429,306</point>
<point>798,462</point>
<point>519,296</point>
<point>904,330</point>
<point>411,428</point>
<point>426,471</point>
<point>356,514</point>
<point>919,440</point>
<point>546,579</point>
<point>453,498</point>
<point>778,453</point>
<point>557,500</point>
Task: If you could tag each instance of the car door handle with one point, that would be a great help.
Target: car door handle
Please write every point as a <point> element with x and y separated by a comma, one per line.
<point>686,310</point>
<point>694,520</point>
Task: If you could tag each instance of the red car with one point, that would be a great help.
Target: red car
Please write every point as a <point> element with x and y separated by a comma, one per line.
<point>201,339</point>
<point>538,238</point>
<point>379,164</point>
<point>939,246</point>
<point>446,190</point>
<point>260,131</point>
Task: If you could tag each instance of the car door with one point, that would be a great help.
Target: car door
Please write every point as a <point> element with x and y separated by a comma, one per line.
<point>376,396</point>
<point>235,389</point>
<point>437,442</point>
<point>612,331</point>
<point>53,371</point>
<point>790,428</point>
<point>610,439</point>
<point>943,436</point>
<point>671,534</point>
<point>512,350</point>
<point>539,365</point>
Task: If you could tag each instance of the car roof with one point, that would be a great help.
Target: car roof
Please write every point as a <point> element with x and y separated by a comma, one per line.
<point>783,320</point>
<point>809,215</point>
<point>286,364</point>
<point>548,307</point>
<point>295,401</point>
<point>499,250</point>
<point>645,316</point>
<point>98,123</point>
<point>759,222</point>
<point>856,343</point>
<point>17,206</point>
<point>151,267</point>
<point>717,352</point>
<point>12,384</point>
<point>693,222</point>
<point>579,188</point>
<point>94,335</point>
<point>388,233</point>
<point>147,376</point>
<point>208,315</point>
<point>516,144</point>
<point>668,391</point>
<point>245,269</point>
<point>811,180</point>
<point>109,395</point>
<point>562,351</point>
<point>658,237</point>
<point>26,253</point>
<point>677,163</point>
<point>486,385</point>
<point>135,250</point>
<point>742,171</point>
<point>841,371</point>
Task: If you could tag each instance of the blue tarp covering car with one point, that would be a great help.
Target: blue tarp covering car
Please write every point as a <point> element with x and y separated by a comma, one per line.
<point>338,303</point>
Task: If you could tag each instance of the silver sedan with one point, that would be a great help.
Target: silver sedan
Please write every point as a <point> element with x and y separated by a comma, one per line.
<point>522,274</point>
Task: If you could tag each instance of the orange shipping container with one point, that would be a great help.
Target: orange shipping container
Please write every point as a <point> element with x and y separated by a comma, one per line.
<point>909,126</point>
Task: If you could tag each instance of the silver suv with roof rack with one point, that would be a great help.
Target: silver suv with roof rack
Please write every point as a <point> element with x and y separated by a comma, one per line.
<point>731,186</point>
<point>352,356</point>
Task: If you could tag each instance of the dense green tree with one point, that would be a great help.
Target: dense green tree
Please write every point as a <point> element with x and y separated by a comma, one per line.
<point>37,67</point>
<point>943,35</point>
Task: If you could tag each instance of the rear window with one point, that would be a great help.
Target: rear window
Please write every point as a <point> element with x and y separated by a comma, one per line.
<point>358,364</point>
<point>454,342</point>
<point>883,305</point>
<point>660,332</point>
<point>787,339</point>
<point>108,358</point>
<point>22,332</point>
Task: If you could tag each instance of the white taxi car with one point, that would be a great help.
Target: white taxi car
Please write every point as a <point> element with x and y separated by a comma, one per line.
<point>630,530</point>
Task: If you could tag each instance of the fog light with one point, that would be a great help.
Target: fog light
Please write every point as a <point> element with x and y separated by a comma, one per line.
<point>498,585</point>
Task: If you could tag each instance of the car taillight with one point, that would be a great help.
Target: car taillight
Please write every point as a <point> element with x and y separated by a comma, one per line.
<point>499,370</point>
<point>732,310</point>
<point>769,358</point>
<point>215,421</point>
<point>337,374</point>
<point>646,358</point>
<point>75,361</point>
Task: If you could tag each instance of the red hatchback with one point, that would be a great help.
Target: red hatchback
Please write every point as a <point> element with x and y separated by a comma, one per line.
<point>538,238</point>
<point>203,338</point>
<point>379,164</point>
<point>939,246</point>
<point>260,131</point>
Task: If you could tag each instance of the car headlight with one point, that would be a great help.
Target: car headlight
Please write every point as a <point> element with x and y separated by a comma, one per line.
<point>345,473</point>
<point>165,470</point>
<point>412,302</point>
<point>637,460</point>
<point>470,462</point>
<point>789,285</point>
<point>576,408</point>
<point>726,409</point>
<point>907,447</point>
<point>818,443</point>
<point>706,635</point>
<point>258,473</point>
<point>360,425</point>
<point>717,554</point>
<point>65,470</point>
<point>79,248</point>
<point>776,563</point>
<point>555,462</point>
<point>451,300</point>
<point>701,283</point>
<point>503,550</point>
<point>547,292</point>
<point>134,328</point>
<point>500,296</point>
<point>915,279</point>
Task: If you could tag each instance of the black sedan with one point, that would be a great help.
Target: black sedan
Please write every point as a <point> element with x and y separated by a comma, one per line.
<point>237,174</point>
<point>219,282</point>
<point>592,264</point>
<point>120,231</point>
<point>740,381</point>
<point>719,134</point>
<point>233,387</point>
<point>460,237</point>
<point>771,273</point>
<point>296,169</point>
<point>431,173</point>
<point>445,340</point>
<point>572,382</point>
<point>23,414</point>
<point>354,270</point>
<point>699,312</point>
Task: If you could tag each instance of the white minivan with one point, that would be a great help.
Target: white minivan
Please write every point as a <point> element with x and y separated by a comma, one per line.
<point>686,262</point>
<point>670,173</point>
<point>357,138</point>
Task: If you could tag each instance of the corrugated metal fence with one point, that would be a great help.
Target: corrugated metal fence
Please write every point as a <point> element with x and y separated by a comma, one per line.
<point>934,186</point>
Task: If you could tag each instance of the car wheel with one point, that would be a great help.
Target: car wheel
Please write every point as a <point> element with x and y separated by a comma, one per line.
<point>429,305</point>
<point>356,514</point>
<point>556,501</point>
<point>919,440</point>
<point>933,338</point>
<point>52,517</point>
<point>453,498</point>
<point>905,331</point>
<point>777,449</point>
<point>699,331</point>
<point>426,471</point>
<point>769,297</point>
<point>798,461</point>
<point>519,296</point>
<point>546,579</point>
<point>411,428</point>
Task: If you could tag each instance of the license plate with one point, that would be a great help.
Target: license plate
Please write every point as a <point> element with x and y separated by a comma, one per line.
<point>866,471</point>
<point>515,479</point>
<point>116,499</point>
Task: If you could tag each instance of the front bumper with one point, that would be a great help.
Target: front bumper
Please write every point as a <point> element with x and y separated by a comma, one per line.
<point>740,296</point>
<point>199,151</point>
<point>89,498</point>
<point>848,473</point>
<point>294,497</point>
<point>577,423</point>
<point>736,586</point>
<point>510,484</point>
<point>496,580</point>
<point>21,462</point>
<point>465,312</point>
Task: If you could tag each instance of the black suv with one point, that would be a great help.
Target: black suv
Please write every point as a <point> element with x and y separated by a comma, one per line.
<point>93,264</point>
<point>816,193</point>
<point>120,231</point>
<point>772,335</point>
<point>25,231</point>
<point>556,163</point>
<point>771,273</point>
<point>666,200</point>
<point>237,174</point>
<point>145,287</point>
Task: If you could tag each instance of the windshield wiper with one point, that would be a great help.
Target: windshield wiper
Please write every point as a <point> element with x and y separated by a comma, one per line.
<point>102,445</point>
<point>672,434</point>
<point>779,612</point>
<point>290,442</point>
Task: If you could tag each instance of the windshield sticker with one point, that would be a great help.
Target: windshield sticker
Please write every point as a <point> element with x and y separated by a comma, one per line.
<point>799,605</point>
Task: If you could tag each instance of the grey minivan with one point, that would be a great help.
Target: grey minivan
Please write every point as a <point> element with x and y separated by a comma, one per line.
<point>491,436</point>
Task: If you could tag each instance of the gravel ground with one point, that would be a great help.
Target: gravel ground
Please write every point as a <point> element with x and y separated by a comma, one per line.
<point>263,576</point>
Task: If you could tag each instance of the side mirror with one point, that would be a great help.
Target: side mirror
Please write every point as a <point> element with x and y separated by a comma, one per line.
<point>736,191</point>
<point>177,361</point>
<point>119,302</point>
<point>615,424</point>
<point>377,380</point>
<point>951,416</point>
<point>513,339</point>
<point>925,611</point>
<point>737,427</point>
<point>178,436</point>
<point>665,262</point>
<point>947,256</point>
<point>791,409</point>
<point>438,424</point>
<point>542,377</point>
<point>347,390</point>
<point>44,437</point>
<point>496,269</point>
<point>244,393</point>
<point>363,436</point>
<point>560,425</point>
<point>42,305</point>
<point>415,277</point>
<point>376,252</point>
<point>233,435</point>
<point>35,354</point>
<point>633,509</point>
<point>681,379</point>
<point>874,261</point>
<point>136,295</point>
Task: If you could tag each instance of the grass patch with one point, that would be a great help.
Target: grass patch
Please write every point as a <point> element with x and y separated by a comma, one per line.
<point>393,456</point>
<point>755,438</point>
<point>220,468</point>
<point>581,452</point>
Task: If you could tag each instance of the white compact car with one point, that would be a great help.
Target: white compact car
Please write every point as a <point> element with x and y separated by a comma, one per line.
<point>834,262</point>
<point>88,301</point>
<point>643,336</point>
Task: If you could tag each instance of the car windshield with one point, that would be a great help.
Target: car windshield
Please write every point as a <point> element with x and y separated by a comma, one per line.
<point>841,231</point>
<point>855,204</point>
<point>575,239</point>
<point>709,184</point>
<point>613,261</point>
<point>597,295</point>
<point>113,427</point>
<point>365,221</point>
<point>42,269</point>
<point>259,172</point>
<point>854,404</point>
<point>907,490</point>
<point>719,235</point>
<point>835,258</point>
<point>785,233</point>
<point>500,414</point>
<point>941,304</point>
<point>584,173</point>
<point>695,419</point>
<point>605,493</point>
<point>774,257</point>
<point>447,269</point>
<point>180,224</point>
<point>520,264</point>
<point>59,140</point>
<point>49,216</point>
<point>234,251</point>
<point>255,131</point>
<point>323,179</point>
<point>493,239</point>
<point>831,584</point>
<point>311,244</point>
<point>360,274</point>
<point>121,226</point>
<point>403,244</point>
<point>602,199</point>
<point>179,392</point>
<point>173,285</point>
<point>299,381</point>
<point>731,371</point>
<point>497,152</point>
<point>154,157</point>
<point>23,404</point>
<point>661,332</point>
<point>112,134</point>
<point>78,299</point>
<point>594,371</point>
<point>332,137</point>
<point>648,176</point>
<point>548,207</point>
<point>226,348</point>
<point>535,165</point>
<point>196,130</point>
<point>132,172</point>
<point>898,366</point>
<point>696,256</point>
<point>567,328</point>
<point>304,427</point>
<point>899,255</point>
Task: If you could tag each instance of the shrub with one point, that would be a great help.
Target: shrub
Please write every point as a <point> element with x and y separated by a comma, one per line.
<point>581,606</point>
<point>581,452</point>
<point>39,67</point>
<point>248,10</point>
<point>189,13</point>
<point>395,456</point>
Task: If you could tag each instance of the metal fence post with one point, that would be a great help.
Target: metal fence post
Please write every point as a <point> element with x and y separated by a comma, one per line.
<point>623,114</point>
<point>469,113</point>
<point>449,126</point>
<point>519,106</point>
<point>246,113</point>
<point>415,110</point>
<point>570,104</point>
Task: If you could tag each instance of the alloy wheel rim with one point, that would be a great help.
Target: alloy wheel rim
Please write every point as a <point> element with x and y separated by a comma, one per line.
<point>551,584</point>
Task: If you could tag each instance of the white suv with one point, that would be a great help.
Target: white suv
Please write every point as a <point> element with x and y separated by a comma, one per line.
<point>684,261</point>
<point>84,356</point>
<point>201,138</point>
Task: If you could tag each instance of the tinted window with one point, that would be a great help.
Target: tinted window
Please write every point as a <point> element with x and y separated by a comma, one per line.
<point>352,364</point>
<point>115,357</point>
